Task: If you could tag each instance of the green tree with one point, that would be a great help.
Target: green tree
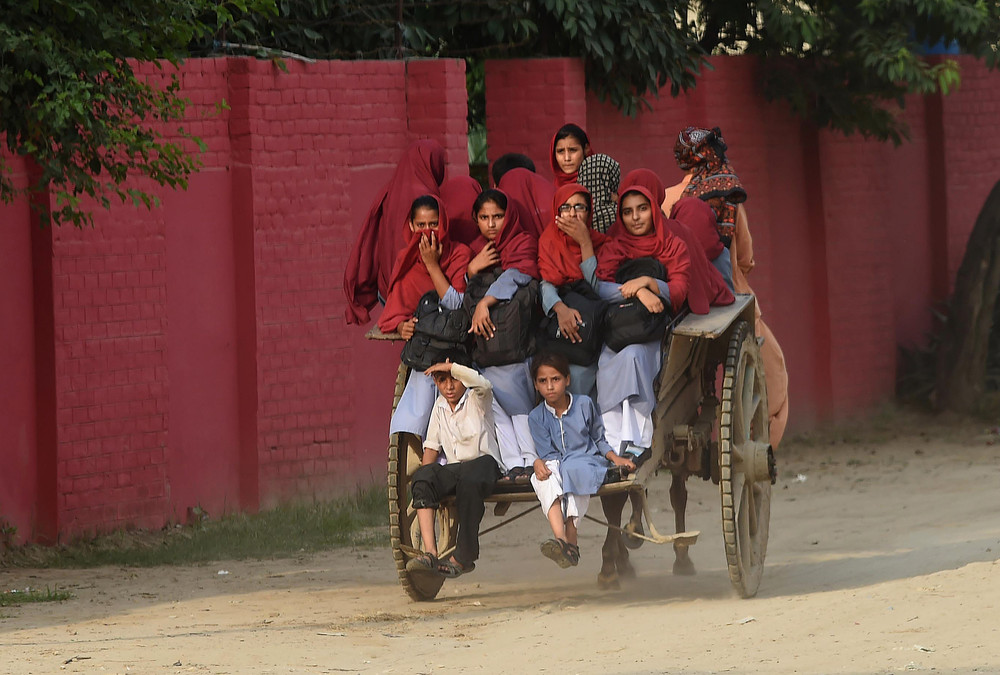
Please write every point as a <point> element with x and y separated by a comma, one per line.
<point>845,64</point>
<point>70,98</point>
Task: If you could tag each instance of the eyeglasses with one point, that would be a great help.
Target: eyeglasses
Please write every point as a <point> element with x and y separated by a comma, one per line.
<point>566,208</point>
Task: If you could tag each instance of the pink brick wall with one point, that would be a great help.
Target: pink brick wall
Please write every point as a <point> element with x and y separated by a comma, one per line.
<point>197,354</point>
<point>854,241</point>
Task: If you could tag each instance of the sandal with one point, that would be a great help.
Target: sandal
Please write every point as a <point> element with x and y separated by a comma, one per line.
<point>452,569</point>
<point>425,562</point>
<point>512,475</point>
<point>561,552</point>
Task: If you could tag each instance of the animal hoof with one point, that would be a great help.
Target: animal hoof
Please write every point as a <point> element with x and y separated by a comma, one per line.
<point>631,541</point>
<point>625,569</point>
<point>684,567</point>
<point>608,582</point>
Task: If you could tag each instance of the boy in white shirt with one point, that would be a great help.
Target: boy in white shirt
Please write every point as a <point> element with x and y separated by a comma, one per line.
<point>461,457</point>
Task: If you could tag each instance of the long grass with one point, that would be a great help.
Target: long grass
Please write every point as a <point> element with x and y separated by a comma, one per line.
<point>28,595</point>
<point>285,531</point>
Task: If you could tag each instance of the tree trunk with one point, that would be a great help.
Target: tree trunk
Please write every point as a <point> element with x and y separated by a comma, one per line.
<point>961,362</point>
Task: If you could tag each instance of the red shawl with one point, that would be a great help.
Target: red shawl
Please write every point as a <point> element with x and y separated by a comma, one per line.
<point>700,218</point>
<point>420,172</point>
<point>706,284</point>
<point>410,278</point>
<point>517,247</point>
<point>559,256</point>
<point>559,177</point>
<point>659,244</point>
<point>458,195</point>
<point>534,194</point>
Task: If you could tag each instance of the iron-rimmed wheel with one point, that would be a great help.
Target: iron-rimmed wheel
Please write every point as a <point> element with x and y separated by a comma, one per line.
<point>405,453</point>
<point>746,463</point>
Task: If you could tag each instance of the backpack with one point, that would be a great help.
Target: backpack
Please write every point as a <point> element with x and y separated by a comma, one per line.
<point>438,333</point>
<point>516,321</point>
<point>629,322</point>
<point>580,296</point>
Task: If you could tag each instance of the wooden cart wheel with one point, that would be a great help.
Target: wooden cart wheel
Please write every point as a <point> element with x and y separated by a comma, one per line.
<point>405,452</point>
<point>746,462</point>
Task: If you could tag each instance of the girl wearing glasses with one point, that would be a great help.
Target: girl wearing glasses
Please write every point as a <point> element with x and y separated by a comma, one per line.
<point>567,254</point>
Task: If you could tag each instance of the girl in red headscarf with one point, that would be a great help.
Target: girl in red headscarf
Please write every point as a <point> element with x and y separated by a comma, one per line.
<point>533,194</point>
<point>570,146</point>
<point>567,253</point>
<point>430,262</point>
<point>707,286</point>
<point>504,242</point>
<point>383,234</point>
<point>625,392</point>
<point>458,194</point>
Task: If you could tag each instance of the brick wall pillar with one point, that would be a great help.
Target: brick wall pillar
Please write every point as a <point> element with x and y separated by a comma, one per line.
<point>437,107</point>
<point>527,100</point>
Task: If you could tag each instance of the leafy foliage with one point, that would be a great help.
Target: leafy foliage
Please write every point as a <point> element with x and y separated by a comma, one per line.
<point>71,100</point>
<point>845,64</point>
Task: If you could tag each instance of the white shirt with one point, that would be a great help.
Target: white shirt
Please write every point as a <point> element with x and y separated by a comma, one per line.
<point>468,431</point>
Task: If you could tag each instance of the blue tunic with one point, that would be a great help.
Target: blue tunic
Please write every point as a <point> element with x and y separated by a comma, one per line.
<point>576,439</point>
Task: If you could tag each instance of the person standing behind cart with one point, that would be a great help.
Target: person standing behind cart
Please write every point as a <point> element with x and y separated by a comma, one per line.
<point>505,245</point>
<point>430,262</point>
<point>460,458</point>
<point>573,456</point>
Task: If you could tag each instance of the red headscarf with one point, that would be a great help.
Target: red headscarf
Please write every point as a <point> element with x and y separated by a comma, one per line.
<point>659,244</point>
<point>533,194</point>
<point>517,248</point>
<point>700,219</point>
<point>420,172</point>
<point>706,287</point>
<point>559,177</point>
<point>559,256</point>
<point>410,278</point>
<point>459,194</point>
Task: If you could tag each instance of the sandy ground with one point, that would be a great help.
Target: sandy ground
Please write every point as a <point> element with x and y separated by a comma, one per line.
<point>883,558</point>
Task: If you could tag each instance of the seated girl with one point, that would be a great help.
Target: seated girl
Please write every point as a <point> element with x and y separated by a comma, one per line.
<point>573,457</point>
<point>429,262</point>
<point>504,243</point>
<point>699,217</point>
<point>707,285</point>
<point>570,146</point>
<point>625,378</point>
<point>566,254</point>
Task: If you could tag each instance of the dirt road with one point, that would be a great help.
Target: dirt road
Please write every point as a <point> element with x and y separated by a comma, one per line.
<point>883,558</point>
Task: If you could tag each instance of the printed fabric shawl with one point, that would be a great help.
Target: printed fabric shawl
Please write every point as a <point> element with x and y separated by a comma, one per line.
<point>384,231</point>
<point>533,194</point>
<point>703,153</point>
<point>518,249</point>
<point>559,256</point>
<point>410,278</point>
<point>659,244</point>
<point>602,175</point>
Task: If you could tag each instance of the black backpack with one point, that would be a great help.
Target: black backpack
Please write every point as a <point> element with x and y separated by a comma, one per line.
<point>629,322</point>
<point>516,321</point>
<point>438,333</point>
<point>580,296</point>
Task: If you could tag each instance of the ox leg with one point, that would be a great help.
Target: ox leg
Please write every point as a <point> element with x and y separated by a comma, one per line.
<point>613,506</point>
<point>678,501</point>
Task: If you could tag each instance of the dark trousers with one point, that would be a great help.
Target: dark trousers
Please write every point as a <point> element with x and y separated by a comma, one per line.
<point>471,482</point>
